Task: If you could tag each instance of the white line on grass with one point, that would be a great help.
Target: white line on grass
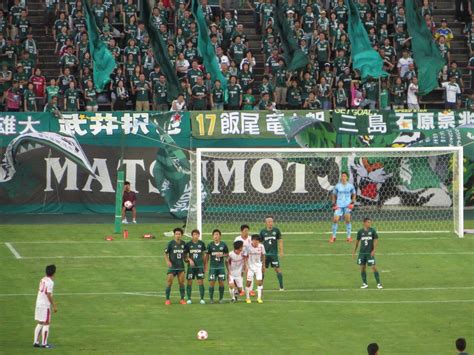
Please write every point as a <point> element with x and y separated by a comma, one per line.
<point>287,255</point>
<point>370,302</point>
<point>160,294</point>
<point>15,253</point>
<point>167,240</point>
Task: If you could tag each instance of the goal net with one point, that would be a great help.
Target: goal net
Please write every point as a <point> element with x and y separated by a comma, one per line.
<point>409,190</point>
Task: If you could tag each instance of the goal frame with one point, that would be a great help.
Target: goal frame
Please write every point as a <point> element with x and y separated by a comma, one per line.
<point>458,225</point>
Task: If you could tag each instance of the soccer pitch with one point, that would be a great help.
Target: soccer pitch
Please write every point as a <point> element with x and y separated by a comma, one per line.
<point>110,296</point>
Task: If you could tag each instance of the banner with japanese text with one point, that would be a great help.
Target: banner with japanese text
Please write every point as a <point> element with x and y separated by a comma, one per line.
<point>245,124</point>
<point>366,122</point>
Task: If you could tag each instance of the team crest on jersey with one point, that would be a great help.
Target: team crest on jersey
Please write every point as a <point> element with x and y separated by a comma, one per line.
<point>221,248</point>
<point>273,233</point>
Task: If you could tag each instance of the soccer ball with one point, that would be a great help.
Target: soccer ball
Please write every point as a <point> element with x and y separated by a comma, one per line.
<point>128,204</point>
<point>202,335</point>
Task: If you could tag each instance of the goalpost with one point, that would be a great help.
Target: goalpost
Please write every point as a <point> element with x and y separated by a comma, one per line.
<point>404,190</point>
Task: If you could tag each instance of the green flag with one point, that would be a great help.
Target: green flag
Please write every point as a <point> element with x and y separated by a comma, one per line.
<point>427,56</point>
<point>160,50</point>
<point>205,48</point>
<point>172,169</point>
<point>365,59</point>
<point>104,61</point>
<point>294,56</point>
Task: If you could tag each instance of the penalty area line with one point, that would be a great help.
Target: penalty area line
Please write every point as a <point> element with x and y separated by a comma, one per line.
<point>15,253</point>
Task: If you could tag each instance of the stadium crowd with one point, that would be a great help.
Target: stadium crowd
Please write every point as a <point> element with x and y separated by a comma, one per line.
<point>327,82</point>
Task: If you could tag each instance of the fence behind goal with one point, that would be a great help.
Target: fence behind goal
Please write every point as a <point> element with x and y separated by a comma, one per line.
<point>409,190</point>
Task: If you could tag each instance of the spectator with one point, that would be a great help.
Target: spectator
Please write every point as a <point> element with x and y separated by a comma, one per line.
<point>412,94</point>
<point>266,103</point>
<point>217,97</point>
<point>29,98</point>
<point>142,89</point>
<point>30,46</point>
<point>370,91</point>
<point>69,60</point>
<point>384,97</point>
<point>50,7</point>
<point>161,94</point>
<point>312,102</point>
<point>404,63</point>
<point>293,95</point>
<point>340,99</point>
<point>179,104</point>
<point>71,98</point>
<point>199,95</point>
<point>398,94</point>
<point>444,31</point>
<point>470,67</point>
<point>280,77</point>
<point>13,97</point>
<point>324,95</point>
<point>248,100</point>
<point>452,91</point>
<point>182,66</point>
<point>121,96</point>
<point>373,349</point>
<point>235,95</point>
<point>246,78</point>
<point>461,346</point>
<point>90,97</point>
<point>52,107</point>
<point>454,71</point>
<point>51,90</point>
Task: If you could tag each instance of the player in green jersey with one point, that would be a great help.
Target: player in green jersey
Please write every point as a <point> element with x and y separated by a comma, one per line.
<point>368,239</point>
<point>271,238</point>
<point>174,256</point>
<point>218,252</point>
<point>196,257</point>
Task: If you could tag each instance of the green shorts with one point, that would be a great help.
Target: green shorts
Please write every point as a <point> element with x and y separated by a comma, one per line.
<point>217,274</point>
<point>366,259</point>
<point>195,273</point>
<point>174,271</point>
<point>272,261</point>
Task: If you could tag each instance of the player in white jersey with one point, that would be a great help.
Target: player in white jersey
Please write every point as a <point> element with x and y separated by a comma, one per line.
<point>235,266</point>
<point>44,302</point>
<point>245,237</point>
<point>255,262</point>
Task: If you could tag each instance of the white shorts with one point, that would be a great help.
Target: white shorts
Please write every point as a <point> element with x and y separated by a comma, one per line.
<point>236,280</point>
<point>257,273</point>
<point>43,314</point>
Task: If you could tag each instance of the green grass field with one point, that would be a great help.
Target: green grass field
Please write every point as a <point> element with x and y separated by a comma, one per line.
<point>110,296</point>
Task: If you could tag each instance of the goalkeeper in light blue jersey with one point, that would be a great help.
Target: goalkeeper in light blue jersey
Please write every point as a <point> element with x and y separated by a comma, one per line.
<point>343,199</point>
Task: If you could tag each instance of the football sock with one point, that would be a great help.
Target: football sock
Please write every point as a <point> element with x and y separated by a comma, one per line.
<point>231,292</point>
<point>221,292</point>
<point>211,292</point>
<point>377,276</point>
<point>37,333</point>
<point>348,229</point>
<point>189,288</point>
<point>201,291</point>
<point>45,334</point>
<point>247,292</point>
<point>280,279</point>
<point>259,292</point>
<point>251,284</point>
<point>334,229</point>
<point>181,292</point>
<point>363,274</point>
<point>168,292</point>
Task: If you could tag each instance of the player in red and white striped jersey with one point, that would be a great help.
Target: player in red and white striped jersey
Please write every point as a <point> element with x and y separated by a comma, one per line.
<point>44,303</point>
<point>235,266</point>
<point>255,261</point>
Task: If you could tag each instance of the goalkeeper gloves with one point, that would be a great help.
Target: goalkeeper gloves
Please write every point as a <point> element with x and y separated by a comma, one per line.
<point>334,207</point>
<point>351,206</point>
